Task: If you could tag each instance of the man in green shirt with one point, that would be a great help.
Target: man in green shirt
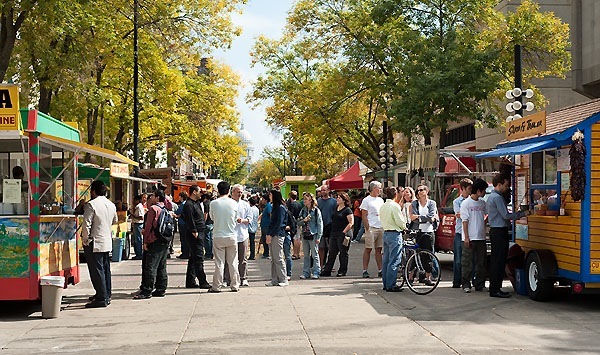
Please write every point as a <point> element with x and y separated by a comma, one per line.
<point>393,223</point>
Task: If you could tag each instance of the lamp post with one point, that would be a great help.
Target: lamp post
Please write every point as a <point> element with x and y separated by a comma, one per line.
<point>136,129</point>
<point>386,155</point>
<point>517,93</point>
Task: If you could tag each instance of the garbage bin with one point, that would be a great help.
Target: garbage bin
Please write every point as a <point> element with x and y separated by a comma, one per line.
<point>52,287</point>
<point>117,249</point>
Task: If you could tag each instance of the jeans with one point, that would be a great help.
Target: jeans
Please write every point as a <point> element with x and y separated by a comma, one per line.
<point>392,246</point>
<point>287,251</point>
<point>136,228</point>
<point>195,265</point>
<point>311,251</point>
<point>263,240</point>
<point>185,248</point>
<point>208,241</point>
<point>357,227</point>
<point>154,274</point>
<point>457,250</point>
<point>252,237</point>
<point>99,269</point>
<point>361,231</point>
<point>499,239</point>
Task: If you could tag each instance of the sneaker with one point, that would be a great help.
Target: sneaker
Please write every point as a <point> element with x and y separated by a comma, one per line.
<point>379,274</point>
<point>467,289</point>
<point>366,275</point>
<point>282,284</point>
<point>303,277</point>
<point>289,278</point>
<point>314,277</point>
<point>353,241</point>
<point>270,284</point>
<point>245,283</point>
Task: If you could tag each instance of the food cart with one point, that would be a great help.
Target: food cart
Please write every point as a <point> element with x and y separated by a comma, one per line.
<point>37,225</point>
<point>561,237</point>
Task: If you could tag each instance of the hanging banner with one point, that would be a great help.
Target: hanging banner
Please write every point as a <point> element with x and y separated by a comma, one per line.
<point>9,107</point>
<point>527,126</point>
<point>119,170</point>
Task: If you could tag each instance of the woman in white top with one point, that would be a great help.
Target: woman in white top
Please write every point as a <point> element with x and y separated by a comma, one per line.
<point>408,196</point>
<point>425,212</point>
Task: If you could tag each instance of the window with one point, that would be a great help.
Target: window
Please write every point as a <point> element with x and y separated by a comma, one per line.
<point>543,168</point>
<point>14,187</point>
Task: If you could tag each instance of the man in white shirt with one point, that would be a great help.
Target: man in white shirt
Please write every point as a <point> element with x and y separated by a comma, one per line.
<point>373,230</point>
<point>224,213</point>
<point>472,214</point>
<point>137,224</point>
<point>244,215</point>
<point>99,215</point>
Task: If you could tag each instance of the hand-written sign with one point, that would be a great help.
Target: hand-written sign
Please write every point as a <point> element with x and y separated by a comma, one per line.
<point>527,126</point>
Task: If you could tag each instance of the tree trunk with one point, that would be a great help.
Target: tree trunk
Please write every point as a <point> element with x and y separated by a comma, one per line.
<point>45,98</point>
<point>8,35</point>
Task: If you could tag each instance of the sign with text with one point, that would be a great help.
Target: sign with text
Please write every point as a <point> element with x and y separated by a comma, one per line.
<point>527,126</point>
<point>119,170</point>
<point>9,107</point>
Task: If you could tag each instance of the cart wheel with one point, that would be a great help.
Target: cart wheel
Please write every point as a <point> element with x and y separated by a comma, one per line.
<point>127,247</point>
<point>538,288</point>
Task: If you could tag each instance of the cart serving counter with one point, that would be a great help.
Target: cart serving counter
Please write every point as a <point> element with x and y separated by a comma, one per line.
<point>38,228</point>
<point>561,237</point>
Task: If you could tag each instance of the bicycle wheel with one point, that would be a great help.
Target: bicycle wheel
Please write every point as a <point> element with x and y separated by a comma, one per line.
<point>423,272</point>
<point>401,280</point>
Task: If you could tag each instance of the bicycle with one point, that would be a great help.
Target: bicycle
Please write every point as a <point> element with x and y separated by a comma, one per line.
<point>414,266</point>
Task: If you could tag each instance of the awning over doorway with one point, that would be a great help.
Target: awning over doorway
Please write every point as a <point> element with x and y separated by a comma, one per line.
<point>518,149</point>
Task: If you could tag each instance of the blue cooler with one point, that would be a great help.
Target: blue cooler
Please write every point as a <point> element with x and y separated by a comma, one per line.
<point>117,249</point>
<point>521,282</point>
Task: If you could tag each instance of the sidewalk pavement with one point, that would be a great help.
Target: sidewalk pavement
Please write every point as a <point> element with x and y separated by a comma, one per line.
<point>347,315</point>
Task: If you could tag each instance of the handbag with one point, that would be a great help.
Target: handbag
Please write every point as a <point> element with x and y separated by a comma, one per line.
<point>306,233</point>
<point>346,241</point>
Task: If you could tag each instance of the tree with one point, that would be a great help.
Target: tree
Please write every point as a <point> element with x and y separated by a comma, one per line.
<point>262,173</point>
<point>347,65</point>
<point>77,58</point>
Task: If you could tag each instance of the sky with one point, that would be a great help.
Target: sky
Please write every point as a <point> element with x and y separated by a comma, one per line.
<point>259,17</point>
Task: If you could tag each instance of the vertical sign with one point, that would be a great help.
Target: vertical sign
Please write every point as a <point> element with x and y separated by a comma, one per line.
<point>9,107</point>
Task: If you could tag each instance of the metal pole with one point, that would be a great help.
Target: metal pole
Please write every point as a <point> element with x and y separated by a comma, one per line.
<point>136,128</point>
<point>518,75</point>
<point>387,163</point>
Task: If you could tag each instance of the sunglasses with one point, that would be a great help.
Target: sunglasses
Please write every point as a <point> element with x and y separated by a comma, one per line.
<point>419,190</point>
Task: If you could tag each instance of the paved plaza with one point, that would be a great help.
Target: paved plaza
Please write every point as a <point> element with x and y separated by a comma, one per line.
<point>347,315</point>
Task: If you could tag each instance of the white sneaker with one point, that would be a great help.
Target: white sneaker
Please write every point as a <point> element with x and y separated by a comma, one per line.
<point>467,289</point>
<point>303,277</point>
<point>289,278</point>
<point>245,283</point>
<point>314,277</point>
<point>282,284</point>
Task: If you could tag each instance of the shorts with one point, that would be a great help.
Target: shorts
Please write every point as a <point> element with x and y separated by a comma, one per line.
<point>374,238</point>
<point>298,235</point>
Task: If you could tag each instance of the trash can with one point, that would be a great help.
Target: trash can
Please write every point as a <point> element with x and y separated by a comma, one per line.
<point>117,249</point>
<point>52,287</point>
<point>520,280</point>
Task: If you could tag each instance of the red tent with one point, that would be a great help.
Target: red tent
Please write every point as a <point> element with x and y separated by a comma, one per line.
<point>349,179</point>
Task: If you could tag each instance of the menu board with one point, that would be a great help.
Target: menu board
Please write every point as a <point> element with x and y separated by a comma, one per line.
<point>11,191</point>
<point>521,189</point>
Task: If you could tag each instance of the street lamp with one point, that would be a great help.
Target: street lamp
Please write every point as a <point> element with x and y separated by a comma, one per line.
<point>517,93</point>
<point>386,155</point>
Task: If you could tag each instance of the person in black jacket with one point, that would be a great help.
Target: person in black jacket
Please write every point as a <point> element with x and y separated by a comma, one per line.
<point>193,215</point>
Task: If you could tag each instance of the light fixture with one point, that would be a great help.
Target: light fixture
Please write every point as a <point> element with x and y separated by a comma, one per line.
<point>517,116</point>
<point>382,159</point>
<point>509,94</point>
<point>517,105</point>
<point>382,152</point>
<point>529,106</point>
<point>383,166</point>
<point>382,146</point>
<point>529,93</point>
<point>509,107</point>
<point>509,118</point>
<point>516,92</point>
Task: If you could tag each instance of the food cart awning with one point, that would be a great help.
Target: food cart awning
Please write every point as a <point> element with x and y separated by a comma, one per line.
<point>133,178</point>
<point>86,148</point>
<point>525,148</point>
<point>349,179</point>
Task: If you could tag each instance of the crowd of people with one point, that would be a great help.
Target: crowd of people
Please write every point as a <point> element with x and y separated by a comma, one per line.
<point>224,227</point>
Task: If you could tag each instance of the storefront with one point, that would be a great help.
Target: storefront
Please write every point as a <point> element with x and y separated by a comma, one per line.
<point>38,228</point>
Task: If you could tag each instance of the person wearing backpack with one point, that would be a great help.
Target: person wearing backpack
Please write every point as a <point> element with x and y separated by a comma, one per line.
<point>156,247</point>
<point>193,216</point>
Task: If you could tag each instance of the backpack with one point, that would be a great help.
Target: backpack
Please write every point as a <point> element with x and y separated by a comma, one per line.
<point>164,226</point>
<point>290,221</point>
